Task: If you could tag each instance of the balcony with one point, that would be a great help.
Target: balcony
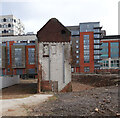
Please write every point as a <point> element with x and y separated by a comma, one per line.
<point>97,54</point>
<point>99,32</point>
<point>98,59</point>
<point>97,38</point>
<point>97,28</point>
<point>97,43</point>
<point>98,48</point>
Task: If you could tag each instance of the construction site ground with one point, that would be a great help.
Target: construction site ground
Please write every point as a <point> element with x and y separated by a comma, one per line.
<point>89,98</point>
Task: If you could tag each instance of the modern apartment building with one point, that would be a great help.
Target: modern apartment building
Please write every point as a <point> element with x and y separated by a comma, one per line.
<point>19,55</point>
<point>86,46</point>
<point>110,52</point>
<point>10,25</point>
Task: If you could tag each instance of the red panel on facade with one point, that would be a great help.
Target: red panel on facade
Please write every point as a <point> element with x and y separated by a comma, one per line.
<point>91,52</point>
<point>109,47</point>
<point>29,66</point>
<point>9,70</point>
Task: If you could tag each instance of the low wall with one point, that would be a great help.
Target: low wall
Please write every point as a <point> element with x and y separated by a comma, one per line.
<point>6,81</point>
<point>97,80</point>
<point>104,71</point>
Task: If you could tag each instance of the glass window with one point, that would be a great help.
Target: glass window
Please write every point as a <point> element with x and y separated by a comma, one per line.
<point>9,19</point>
<point>77,41</point>
<point>115,63</point>
<point>77,61</point>
<point>75,32</point>
<point>8,69</point>
<point>9,25</point>
<point>96,46</point>
<point>86,37</point>
<point>86,42</point>
<point>96,57</point>
<point>114,44</point>
<point>4,20</point>
<point>96,35</point>
<point>72,69</point>
<point>96,30</point>
<point>77,56</point>
<point>77,51</point>
<point>86,69</point>
<point>4,26</point>
<point>104,44</point>
<point>114,50</point>
<point>31,55</point>
<point>96,51</point>
<point>31,71</point>
<point>18,57</point>
<point>86,48</point>
<point>96,41</point>
<point>9,31</point>
<point>105,63</point>
<point>84,27</point>
<point>77,46</point>
<point>86,52</point>
<point>14,21</point>
<point>86,58</point>
<point>5,31</point>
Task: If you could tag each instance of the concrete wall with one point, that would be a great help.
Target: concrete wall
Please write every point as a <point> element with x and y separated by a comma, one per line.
<point>56,66</point>
<point>19,38</point>
<point>8,81</point>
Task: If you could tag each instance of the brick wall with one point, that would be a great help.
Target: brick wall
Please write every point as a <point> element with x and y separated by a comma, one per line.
<point>67,88</point>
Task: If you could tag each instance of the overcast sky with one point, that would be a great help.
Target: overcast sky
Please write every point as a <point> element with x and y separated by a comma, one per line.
<point>35,13</point>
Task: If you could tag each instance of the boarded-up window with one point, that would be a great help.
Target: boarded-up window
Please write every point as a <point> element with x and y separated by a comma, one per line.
<point>45,50</point>
<point>53,49</point>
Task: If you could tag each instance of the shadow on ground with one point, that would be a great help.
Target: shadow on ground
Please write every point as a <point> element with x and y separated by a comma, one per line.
<point>24,89</point>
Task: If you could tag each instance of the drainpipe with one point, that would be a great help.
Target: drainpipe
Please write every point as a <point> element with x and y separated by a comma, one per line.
<point>63,65</point>
<point>49,64</point>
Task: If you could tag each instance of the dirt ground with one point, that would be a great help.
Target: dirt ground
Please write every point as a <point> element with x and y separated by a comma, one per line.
<point>24,89</point>
<point>90,97</point>
<point>17,107</point>
<point>17,97</point>
<point>87,99</point>
<point>101,101</point>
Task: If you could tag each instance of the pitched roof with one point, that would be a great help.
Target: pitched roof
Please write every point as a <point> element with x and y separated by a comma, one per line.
<point>53,31</point>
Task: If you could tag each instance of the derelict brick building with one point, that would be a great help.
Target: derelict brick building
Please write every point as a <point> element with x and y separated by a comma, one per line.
<point>54,56</point>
